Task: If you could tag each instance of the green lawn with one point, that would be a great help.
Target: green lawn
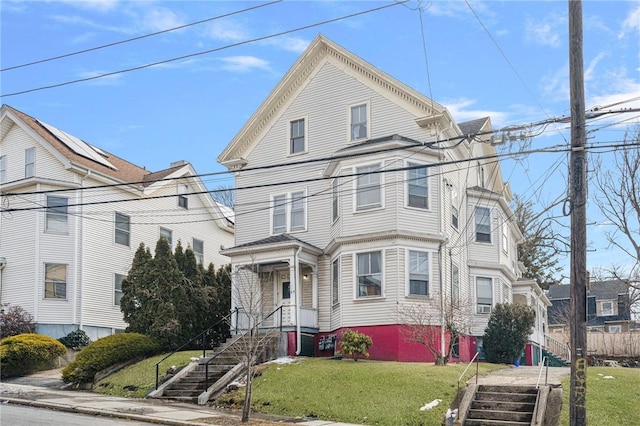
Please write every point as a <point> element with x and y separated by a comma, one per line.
<point>610,401</point>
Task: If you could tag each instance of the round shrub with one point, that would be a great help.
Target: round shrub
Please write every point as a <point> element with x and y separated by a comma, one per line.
<point>28,353</point>
<point>107,352</point>
<point>355,344</point>
<point>75,340</point>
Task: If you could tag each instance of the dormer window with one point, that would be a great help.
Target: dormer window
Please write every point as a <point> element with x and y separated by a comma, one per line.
<point>297,143</point>
<point>359,122</point>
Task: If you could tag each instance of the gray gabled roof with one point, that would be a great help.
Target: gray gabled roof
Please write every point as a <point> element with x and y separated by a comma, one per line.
<point>472,127</point>
<point>602,290</point>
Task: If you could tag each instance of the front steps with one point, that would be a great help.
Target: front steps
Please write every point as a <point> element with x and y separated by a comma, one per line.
<point>500,405</point>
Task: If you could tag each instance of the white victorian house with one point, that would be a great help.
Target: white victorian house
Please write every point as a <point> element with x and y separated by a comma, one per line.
<point>360,196</point>
<point>72,216</point>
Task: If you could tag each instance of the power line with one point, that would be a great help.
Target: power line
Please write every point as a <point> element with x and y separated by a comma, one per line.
<point>218,49</point>
<point>116,43</point>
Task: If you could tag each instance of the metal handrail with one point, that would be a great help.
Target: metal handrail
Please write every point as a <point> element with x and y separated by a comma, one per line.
<point>157,365</point>
<point>475,358</point>
<point>545,362</point>
<point>206,364</point>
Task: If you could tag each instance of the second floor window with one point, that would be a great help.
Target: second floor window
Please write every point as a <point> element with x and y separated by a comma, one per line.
<point>369,274</point>
<point>417,187</point>
<point>122,229</point>
<point>29,162</point>
<point>56,217</point>
<point>167,234</point>
<point>368,191</point>
<point>3,169</point>
<point>117,288</point>
<point>483,224</point>
<point>296,137</point>
<point>55,281</point>
<point>418,273</point>
<point>288,212</point>
<point>183,191</point>
<point>359,122</point>
<point>198,250</point>
<point>606,309</point>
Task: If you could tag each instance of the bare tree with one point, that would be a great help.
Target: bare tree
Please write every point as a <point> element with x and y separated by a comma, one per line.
<point>257,331</point>
<point>618,198</point>
<point>225,195</point>
<point>423,321</point>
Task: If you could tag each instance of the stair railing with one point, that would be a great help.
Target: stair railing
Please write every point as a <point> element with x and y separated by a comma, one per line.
<point>558,348</point>
<point>545,363</point>
<point>204,349</point>
<point>256,327</point>
<point>475,358</point>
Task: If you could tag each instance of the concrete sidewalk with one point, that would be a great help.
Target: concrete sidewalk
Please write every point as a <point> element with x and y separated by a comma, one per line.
<point>524,375</point>
<point>43,390</point>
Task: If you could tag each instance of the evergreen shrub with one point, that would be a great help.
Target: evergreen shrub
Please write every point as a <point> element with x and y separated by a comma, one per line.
<point>355,344</point>
<point>27,353</point>
<point>75,340</point>
<point>107,352</point>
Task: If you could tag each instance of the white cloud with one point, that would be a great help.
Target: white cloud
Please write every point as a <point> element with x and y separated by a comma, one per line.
<point>95,5</point>
<point>227,31</point>
<point>631,24</point>
<point>160,19</point>
<point>545,33</point>
<point>290,44</point>
<point>555,86</point>
<point>461,110</point>
<point>589,73</point>
<point>80,21</point>
<point>244,63</point>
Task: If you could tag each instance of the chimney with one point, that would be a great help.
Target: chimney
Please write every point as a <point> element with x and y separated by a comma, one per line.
<point>178,163</point>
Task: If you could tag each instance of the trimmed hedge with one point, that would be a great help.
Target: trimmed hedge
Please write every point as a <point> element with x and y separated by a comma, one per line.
<point>27,353</point>
<point>107,352</point>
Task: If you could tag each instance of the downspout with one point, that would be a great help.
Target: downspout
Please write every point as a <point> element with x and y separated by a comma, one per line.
<point>296,269</point>
<point>78,307</point>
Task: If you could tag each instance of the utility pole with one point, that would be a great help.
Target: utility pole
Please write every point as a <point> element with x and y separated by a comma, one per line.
<point>578,199</point>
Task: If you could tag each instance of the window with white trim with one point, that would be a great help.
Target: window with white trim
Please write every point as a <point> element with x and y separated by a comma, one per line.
<point>122,229</point>
<point>369,274</point>
<point>57,214</point>
<point>55,281</point>
<point>483,224</point>
<point>484,295</point>
<point>614,328</point>
<point>455,283</point>
<point>417,187</point>
<point>117,288</point>
<point>288,212</point>
<point>167,234</point>
<point>418,273</point>
<point>335,199</point>
<point>183,192</point>
<point>505,237</point>
<point>454,216</point>
<point>368,187</point>
<point>358,122</point>
<point>297,143</point>
<point>29,162</point>
<point>3,168</point>
<point>606,308</point>
<point>335,281</point>
<point>198,250</point>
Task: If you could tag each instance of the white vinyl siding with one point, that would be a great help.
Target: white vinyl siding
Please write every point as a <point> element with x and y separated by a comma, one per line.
<point>122,229</point>
<point>297,138</point>
<point>483,224</point>
<point>29,162</point>
<point>117,288</point>
<point>418,266</point>
<point>505,237</point>
<point>359,119</point>
<point>484,295</point>
<point>55,281</point>
<point>417,187</point>
<point>335,281</point>
<point>57,214</point>
<point>369,274</point>
<point>368,187</point>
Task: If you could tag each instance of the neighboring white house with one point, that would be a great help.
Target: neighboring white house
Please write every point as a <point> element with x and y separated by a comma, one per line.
<point>529,293</point>
<point>370,197</point>
<point>72,217</point>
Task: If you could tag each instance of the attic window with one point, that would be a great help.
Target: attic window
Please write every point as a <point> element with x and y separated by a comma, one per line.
<point>183,201</point>
<point>359,122</point>
<point>297,137</point>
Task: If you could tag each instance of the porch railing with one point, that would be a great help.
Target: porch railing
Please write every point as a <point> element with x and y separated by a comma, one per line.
<point>558,348</point>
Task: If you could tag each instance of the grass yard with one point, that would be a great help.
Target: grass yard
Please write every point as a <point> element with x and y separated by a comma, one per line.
<point>364,392</point>
<point>137,380</point>
<point>610,401</point>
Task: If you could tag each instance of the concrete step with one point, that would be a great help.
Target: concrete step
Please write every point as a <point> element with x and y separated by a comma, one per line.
<point>508,389</point>
<point>472,422</point>
<point>507,416</point>
<point>505,396</point>
<point>182,394</point>
<point>520,407</point>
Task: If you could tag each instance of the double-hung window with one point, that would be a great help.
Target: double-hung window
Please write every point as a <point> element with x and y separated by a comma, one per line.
<point>3,169</point>
<point>418,273</point>
<point>483,224</point>
<point>183,200</point>
<point>122,229</point>
<point>369,274</point>
<point>335,281</point>
<point>359,122</point>
<point>117,288</point>
<point>57,214</point>
<point>198,250</point>
<point>484,295</point>
<point>29,162</point>
<point>505,237</point>
<point>368,187</point>
<point>289,212</point>
<point>606,308</point>
<point>335,199</point>
<point>167,234</point>
<point>417,187</point>
<point>296,136</point>
<point>55,281</point>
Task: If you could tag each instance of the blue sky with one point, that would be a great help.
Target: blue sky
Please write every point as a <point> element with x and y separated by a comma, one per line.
<point>503,59</point>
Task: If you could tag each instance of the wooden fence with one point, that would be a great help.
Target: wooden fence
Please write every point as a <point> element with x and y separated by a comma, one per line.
<point>607,344</point>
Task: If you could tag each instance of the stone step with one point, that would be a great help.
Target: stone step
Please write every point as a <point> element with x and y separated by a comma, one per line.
<point>175,393</point>
<point>507,397</point>
<point>521,407</point>
<point>508,416</point>
<point>508,389</point>
<point>472,422</point>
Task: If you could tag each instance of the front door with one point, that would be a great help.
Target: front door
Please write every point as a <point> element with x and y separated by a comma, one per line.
<point>283,296</point>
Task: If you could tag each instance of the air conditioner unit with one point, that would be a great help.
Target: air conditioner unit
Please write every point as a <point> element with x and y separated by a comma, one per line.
<point>484,309</point>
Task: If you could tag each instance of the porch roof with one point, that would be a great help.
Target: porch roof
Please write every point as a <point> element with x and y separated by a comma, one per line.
<point>273,242</point>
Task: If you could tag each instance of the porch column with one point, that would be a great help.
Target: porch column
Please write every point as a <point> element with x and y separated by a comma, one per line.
<point>314,286</point>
